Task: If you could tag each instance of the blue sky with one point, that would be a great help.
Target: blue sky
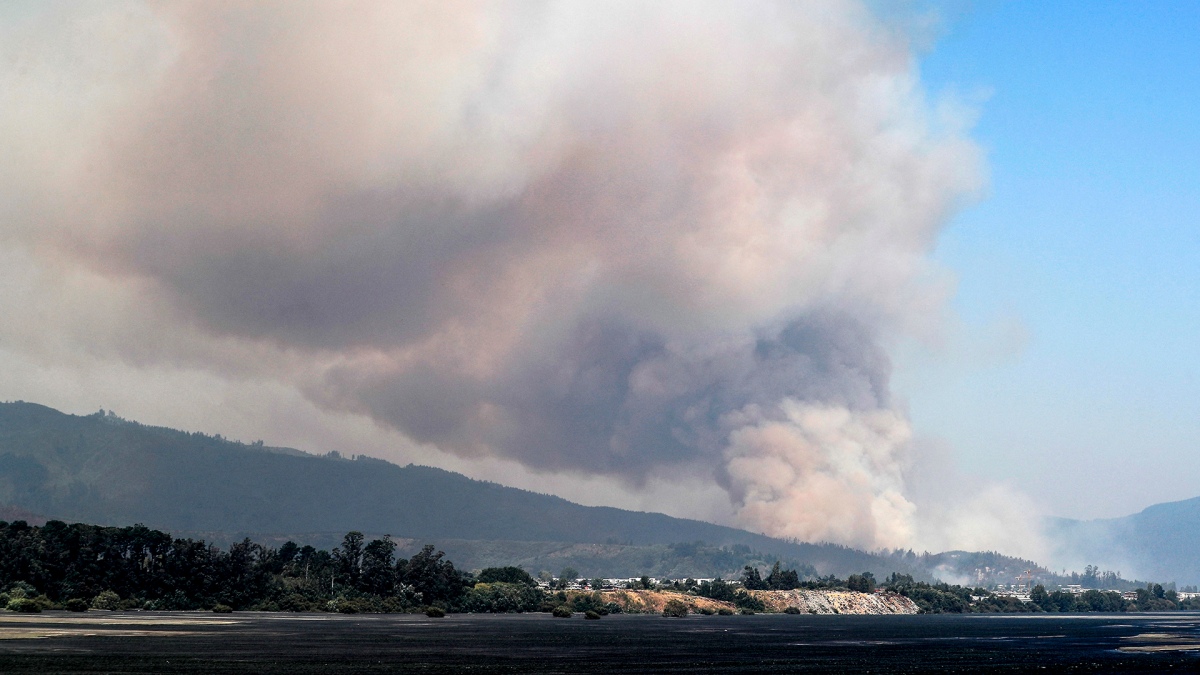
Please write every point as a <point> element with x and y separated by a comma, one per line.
<point>1086,247</point>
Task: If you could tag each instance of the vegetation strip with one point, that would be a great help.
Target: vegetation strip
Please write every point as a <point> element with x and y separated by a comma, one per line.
<point>82,567</point>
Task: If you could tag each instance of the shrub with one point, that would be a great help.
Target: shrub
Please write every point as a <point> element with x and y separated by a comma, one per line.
<point>747,612</point>
<point>562,612</point>
<point>503,597</point>
<point>792,610</point>
<point>44,602</point>
<point>706,611</point>
<point>222,609</point>
<point>76,605</point>
<point>675,608</point>
<point>395,605</point>
<point>591,615</point>
<point>21,589</point>
<point>295,602</point>
<point>725,611</point>
<point>106,600</point>
<point>25,605</point>
<point>435,612</point>
<point>582,602</point>
<point>746,601</point>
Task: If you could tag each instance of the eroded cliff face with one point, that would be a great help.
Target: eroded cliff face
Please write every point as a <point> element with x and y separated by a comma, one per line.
<point>808,602</point>
<point>836,602</point>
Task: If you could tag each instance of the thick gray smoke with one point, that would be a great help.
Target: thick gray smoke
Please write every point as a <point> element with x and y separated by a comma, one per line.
<point>640,240</point>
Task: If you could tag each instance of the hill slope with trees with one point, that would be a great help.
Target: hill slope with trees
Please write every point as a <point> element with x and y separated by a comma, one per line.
<point>1159,542</point>
<point>102,469</point>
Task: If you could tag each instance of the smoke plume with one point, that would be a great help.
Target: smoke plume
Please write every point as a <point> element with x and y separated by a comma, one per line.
<point>638,240</point>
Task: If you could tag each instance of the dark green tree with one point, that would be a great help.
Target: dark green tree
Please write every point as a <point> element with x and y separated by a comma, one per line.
<point>505,575</point>
<point>752,579</point>
<point>862,583</point>
<point>781,579</point>
<point>349,558</point>
<point>378,568</point>
<point>1041,598</point>
<point>717,589</point>
<point>435,579</point>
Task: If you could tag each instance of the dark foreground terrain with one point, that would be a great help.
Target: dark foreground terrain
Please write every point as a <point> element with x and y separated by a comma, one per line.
<point>183,642</point>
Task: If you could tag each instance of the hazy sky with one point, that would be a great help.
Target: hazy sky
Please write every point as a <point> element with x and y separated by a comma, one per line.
<point>887,277</point>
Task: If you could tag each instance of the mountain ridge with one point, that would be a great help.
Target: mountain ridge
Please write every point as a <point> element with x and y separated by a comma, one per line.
<point>102,469</point>
<point>1158,542</point>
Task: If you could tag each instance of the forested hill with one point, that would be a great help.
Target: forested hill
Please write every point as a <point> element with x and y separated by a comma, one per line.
<point>102,469</point>
<point>1159,542</point>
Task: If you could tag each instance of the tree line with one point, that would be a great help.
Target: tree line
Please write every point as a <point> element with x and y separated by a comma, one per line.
<point>149,569</point>
<point>941,598</point>
<point>79,566</point>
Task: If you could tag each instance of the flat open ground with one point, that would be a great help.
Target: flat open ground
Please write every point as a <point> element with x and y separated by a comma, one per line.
<point>187,642</point>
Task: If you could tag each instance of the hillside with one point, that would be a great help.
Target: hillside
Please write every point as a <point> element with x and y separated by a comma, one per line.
<point>102,469</point>
<point>1159,542</point>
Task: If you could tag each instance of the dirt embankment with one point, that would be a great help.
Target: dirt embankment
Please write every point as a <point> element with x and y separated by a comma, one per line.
<point>652,602</point>
<point>808,602</point>
<point>836,602</point>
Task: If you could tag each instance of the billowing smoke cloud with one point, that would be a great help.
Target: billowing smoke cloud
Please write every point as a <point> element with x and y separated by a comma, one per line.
<point>824,470</point>
<point>629,239</point>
